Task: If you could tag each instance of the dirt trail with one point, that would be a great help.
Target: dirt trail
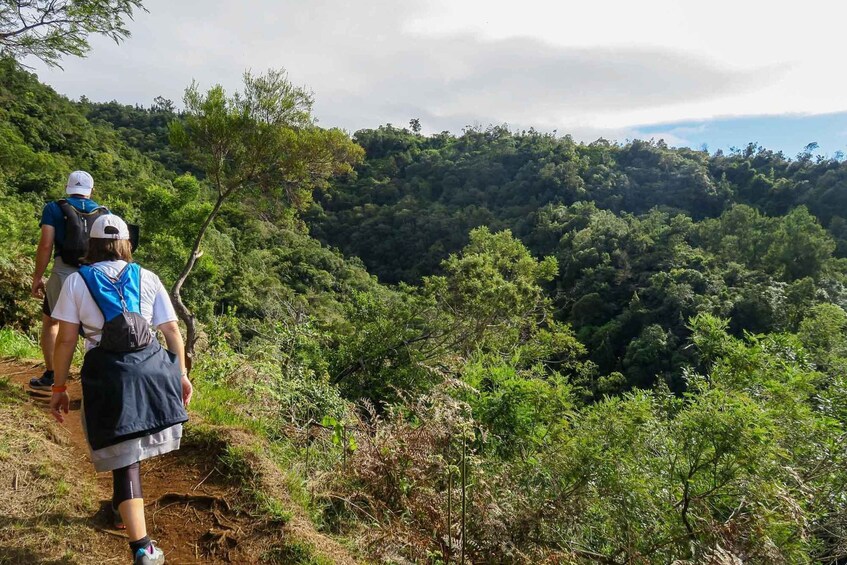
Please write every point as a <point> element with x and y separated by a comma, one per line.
<point>187,497</point>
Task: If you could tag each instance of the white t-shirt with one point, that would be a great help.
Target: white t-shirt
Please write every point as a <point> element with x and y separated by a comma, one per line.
<point>77,306</point>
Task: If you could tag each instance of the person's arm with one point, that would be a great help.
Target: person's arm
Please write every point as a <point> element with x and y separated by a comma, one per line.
<point>174,343</point>
<point>62,356</point>
<point>42,259</point>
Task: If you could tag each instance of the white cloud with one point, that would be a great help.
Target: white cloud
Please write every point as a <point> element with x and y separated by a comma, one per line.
<point>586,68</point>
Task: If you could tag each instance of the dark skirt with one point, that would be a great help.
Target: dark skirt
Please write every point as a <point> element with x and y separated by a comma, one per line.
<point>130,395</point>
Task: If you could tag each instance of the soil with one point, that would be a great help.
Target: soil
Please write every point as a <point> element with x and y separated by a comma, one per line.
<point>192,511</point>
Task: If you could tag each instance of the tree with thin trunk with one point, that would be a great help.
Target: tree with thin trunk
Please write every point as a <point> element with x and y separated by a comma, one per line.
<point>263,141</point>
<point>51,29</point>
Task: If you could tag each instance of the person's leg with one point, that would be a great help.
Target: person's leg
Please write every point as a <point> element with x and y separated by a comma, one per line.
<point>127,499</point>
<point>49,326</point>
<point>132,513</point>
<point>49,331</point>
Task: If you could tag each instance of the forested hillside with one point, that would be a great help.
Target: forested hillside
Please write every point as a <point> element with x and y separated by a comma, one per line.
<point>645,236</point>
<point>509,346</point>
<point>416,197</point>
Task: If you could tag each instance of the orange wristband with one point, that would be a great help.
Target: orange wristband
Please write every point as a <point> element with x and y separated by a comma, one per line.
<point>58,388</point>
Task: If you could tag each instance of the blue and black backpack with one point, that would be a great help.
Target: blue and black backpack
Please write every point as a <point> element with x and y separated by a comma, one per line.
<point>119,299</point>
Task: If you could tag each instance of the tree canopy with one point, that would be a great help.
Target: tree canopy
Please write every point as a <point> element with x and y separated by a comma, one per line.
<point>261,139</point>
<point>51,29</point>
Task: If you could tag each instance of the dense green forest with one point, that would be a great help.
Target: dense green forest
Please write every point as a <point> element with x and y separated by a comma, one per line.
<point>416,197</point>
<point>640,350</point>
<point>645,236</point>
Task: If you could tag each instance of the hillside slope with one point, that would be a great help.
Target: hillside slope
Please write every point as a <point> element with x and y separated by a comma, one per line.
<point>199,509</point>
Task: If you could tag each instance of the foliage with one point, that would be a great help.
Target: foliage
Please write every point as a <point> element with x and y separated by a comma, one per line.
<point>50,30</point>
<point>744,466</point>
<point>414,198</point>
<point>261,139</point>
<point>645,236</point>
<point>396,479</point>
<point>17,309</point>
<point>145,129</point>
<point>489,299</point>
<point>493,291</point>
<point>17,345</point>
<point>641,348</point>
<point>521,410</point>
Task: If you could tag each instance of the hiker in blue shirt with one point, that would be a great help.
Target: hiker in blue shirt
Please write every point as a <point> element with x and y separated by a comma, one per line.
<point>64,238</point>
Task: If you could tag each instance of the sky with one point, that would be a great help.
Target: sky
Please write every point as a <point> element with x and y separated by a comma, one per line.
<point>719,74</point>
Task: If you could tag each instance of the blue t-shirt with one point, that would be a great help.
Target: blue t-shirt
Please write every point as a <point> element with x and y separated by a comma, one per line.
<point>52,216</point>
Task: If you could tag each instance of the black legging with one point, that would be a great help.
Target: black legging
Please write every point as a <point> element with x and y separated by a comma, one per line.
<point>126,483</point>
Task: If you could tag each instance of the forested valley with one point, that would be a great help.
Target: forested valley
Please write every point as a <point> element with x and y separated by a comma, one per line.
<point>503,346</point>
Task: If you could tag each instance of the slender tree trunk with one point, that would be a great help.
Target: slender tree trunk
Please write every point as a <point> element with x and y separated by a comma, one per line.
<point>686,501</point>
<point>464,489</point>
<point>186,315</point>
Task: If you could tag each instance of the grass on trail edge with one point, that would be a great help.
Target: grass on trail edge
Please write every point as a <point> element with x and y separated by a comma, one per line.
<point>16,345</point>
<point>44,516</point>
<point>214,404</point>
<point>245,459</point>
<point>215,407</point>
<point>261,468</point>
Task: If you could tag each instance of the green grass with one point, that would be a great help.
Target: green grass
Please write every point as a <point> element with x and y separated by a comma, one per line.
<point>285,456</point>
<point>272,508</point>
<point>18,345</point>
<point>43,471</point>
<point>9,393</point>
<point>215,405</point>
<point>63,489</point>
<point>237,461</point>
<point>295,553</point>
<point>219,406</point>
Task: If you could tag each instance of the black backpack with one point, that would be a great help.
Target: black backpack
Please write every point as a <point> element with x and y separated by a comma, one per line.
<point>77,227</point>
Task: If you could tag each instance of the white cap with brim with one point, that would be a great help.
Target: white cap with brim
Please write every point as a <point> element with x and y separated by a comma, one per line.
<point>80,182</point>
<point>109,227</point>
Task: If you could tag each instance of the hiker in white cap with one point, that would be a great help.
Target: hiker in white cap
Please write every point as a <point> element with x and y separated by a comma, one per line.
<point>134,392</point>
<point>65,225</point>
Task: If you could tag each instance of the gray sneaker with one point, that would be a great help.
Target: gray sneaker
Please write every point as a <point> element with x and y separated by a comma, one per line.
<point>150,556</point>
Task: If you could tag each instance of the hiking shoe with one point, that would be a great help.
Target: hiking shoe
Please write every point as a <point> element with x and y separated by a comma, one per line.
<point>44,382</point>
<point>150,556</point>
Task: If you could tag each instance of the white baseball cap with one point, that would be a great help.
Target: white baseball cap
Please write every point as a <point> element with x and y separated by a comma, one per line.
<point>109,226</point>
<point>80,182</point>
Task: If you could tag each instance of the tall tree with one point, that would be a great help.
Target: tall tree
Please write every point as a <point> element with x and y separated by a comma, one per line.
<point>263,140</point>
<point>51,29</point>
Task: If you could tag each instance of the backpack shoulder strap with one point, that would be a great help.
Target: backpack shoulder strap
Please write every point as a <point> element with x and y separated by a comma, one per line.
<point>86,272</point>
<point>98,210</point>
<point>129,281</point>
<point>65,206</point>
<point>105,291</point>
<point>85,330</point>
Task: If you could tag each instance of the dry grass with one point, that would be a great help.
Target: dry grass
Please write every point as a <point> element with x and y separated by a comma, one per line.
<point>52,509</point>
<point>283,532</point>
<point>46,509</point>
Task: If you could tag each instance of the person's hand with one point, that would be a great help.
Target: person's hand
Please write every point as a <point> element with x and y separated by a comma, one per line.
<point>59,402</point>
<point>37,290</point>
<point>187,390</point>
